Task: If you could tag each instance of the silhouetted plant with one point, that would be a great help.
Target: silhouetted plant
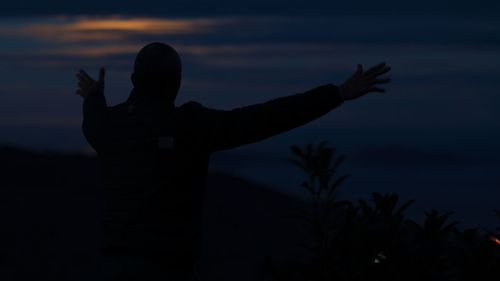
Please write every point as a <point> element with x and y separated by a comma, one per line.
<point>320,164</point>
<point>386,238</point>
<point>323,216</point>
<point>374,240</point>
<point>429,260</point>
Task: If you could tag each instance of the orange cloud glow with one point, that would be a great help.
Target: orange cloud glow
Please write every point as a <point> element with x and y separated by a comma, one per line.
<point>148,25</point>
<point>111,28</point>
<point>95,51</point>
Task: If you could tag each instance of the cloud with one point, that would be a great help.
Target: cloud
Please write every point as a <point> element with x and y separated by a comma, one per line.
<point>101,29</point>
<point>279,36</point>
<point>94,51</point>
<point>439,64</point>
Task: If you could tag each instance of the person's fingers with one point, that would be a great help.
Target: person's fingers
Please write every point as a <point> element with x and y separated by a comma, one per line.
<point>356,74</point>
<point>359,70</point>
<point>374,69</point>
<point>84,85</point>
<point>102,72</point>
<point>85,75</point>
<point>375,89</point>
<point>380,72</point>
<point>384,70</point>
<point>82,78</point>
<point>85,81</point>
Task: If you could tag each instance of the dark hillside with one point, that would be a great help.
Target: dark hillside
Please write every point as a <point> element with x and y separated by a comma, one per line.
<point>49,214</point>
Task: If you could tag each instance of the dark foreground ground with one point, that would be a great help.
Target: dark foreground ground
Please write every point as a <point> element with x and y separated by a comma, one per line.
<point>49,216</point>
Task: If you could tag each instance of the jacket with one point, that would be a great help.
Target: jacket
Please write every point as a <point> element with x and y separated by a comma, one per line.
<point>154,158</point>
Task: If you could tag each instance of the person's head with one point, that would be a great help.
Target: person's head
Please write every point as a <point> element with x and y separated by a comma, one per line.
<point>157,70</point>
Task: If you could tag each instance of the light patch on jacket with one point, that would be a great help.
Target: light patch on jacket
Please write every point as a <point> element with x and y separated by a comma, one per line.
<point>166,142</point>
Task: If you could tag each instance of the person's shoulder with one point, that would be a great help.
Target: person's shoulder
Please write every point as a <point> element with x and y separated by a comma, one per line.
<point>193,112</point>
<point>190,105</point>
<point>119,108</point>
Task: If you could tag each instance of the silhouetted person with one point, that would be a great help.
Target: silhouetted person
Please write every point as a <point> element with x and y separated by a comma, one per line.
<point>154,155</point>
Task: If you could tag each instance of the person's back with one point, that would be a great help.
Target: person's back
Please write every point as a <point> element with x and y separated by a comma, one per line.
<point>154,156</point>
<point>153,169</point>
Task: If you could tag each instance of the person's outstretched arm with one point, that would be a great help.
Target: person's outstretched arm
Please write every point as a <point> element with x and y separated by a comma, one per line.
<point>94,105</point>
<point>229,129</point>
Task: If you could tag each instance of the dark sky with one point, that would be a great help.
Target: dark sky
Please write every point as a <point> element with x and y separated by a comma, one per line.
<point>445,67</point>
<point>255,7</point>
<point>443,102</point>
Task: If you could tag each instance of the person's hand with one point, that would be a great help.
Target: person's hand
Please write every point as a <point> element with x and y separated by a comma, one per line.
<point>88,86</point>
<point>361,83</point>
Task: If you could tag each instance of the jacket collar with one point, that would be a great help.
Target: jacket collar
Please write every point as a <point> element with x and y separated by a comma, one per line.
<point>156,102</point>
